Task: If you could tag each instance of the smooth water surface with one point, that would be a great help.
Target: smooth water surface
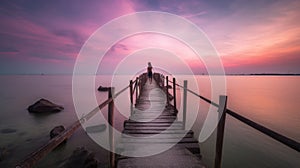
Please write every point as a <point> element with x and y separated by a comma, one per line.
<point>273,101</point>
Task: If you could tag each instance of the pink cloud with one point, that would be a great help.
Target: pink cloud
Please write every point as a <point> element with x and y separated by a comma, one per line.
<point>244,35</point>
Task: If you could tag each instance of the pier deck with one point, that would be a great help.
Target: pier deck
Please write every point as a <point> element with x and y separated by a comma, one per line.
<point>153,137</point>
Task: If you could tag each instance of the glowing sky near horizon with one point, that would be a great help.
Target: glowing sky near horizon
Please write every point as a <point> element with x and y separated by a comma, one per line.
<point>260,36</point>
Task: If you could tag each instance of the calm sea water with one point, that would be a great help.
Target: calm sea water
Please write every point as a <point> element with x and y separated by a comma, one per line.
<point>273,101</point>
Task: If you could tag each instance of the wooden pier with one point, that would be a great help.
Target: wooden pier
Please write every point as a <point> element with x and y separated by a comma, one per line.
<point>153,127</point>
<point>153,136</point>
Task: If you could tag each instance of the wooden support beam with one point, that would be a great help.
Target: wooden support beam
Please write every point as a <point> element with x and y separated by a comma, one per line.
<point>167,90</point>
<point>130,90</point>
<point>185,83</point>
<point>136,88</point>
<point>112,157</point>
<point>220,130</point>
<point>174,94</point>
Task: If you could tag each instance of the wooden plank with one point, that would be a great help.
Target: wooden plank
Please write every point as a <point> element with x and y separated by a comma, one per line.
<point>158,140</point>
<point>155,132</point>
<point>155,121</point>
<point>175,157</point>
<point>153,117</point>
<point>151,128</point>
<point>152,124</point>
<point>188,135</point>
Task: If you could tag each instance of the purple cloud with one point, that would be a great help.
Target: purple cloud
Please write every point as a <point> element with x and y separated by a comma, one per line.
<point>242,31</point>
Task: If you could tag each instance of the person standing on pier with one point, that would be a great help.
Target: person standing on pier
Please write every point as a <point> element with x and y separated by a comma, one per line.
<point>149,70</point>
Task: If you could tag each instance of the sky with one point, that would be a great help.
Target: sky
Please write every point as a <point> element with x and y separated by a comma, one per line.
<point>259,36</point>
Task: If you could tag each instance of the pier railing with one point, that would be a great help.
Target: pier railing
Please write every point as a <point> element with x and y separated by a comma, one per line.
<point>223,110</point>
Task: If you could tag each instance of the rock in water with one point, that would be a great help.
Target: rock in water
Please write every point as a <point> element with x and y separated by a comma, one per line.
<point>3,153</point>
<point>103,89</point>
<point>8,131</point>
<point>44,106</point>
<point>81,158</point>
<point>56,131</point>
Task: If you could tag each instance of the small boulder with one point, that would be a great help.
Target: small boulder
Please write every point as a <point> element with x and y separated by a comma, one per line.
<point>8,131</point>
<point>81,158</point>
<point>56,131</point>
<point>3,153</point>
<point>44,106</point>
<point>103,89</point>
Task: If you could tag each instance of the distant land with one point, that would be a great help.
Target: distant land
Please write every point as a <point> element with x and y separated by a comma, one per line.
<point>203,74</point>
<point>265,74</point>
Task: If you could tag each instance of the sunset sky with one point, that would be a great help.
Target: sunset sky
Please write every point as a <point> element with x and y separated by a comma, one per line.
<point>260,36</point>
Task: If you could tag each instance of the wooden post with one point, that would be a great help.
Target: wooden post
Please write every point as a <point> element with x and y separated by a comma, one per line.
<point>136,88</point>
<point>131,97</point>
<point>185,83</point>
<point>167,90</point>
<point>220,130</point>
<point>162,81</point>
<point>174,93</point>
<point>112,157</point>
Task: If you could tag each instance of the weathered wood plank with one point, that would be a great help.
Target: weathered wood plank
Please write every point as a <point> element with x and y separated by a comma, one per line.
<point>176,157</point>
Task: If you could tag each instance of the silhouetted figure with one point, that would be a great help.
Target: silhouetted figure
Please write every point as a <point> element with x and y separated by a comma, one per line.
<point>149,70</point>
